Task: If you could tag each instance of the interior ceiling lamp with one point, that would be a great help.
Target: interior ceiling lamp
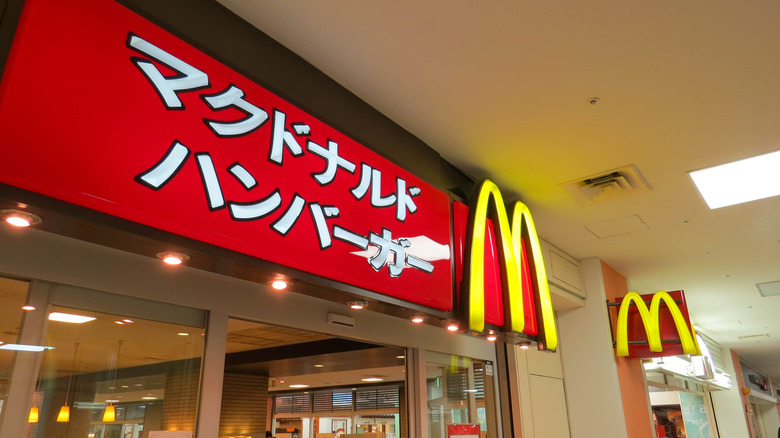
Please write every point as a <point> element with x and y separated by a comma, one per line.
<point>109,415</point>
<point>453,326</point>
<point>172,258</point>
<point>70,318</point>
<point>418,319</point>
<point>19,218</point>
<point>525,345</point>
<point>357,304</point>
<point>372,379</point>
<point>739,181</point>
<point>64,414</point>
<point>491,336</point>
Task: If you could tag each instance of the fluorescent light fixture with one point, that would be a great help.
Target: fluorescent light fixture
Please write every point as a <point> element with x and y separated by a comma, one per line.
<point>25,347</point>
<point>69,317</point>
<point>299,385</point>
<point>371,379</point>
<point>740,181</point>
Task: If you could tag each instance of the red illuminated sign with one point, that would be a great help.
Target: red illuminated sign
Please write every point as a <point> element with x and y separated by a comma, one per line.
<point>101,108</point>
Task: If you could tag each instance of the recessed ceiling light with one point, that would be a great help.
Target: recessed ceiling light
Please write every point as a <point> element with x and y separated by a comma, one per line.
<point>128,321</point>
<point>400,356</point>
<point>739,181</point>
<point>119,322</point>
<point>18,218</point>
<point>148,397</point>
<point>418,319</point>
<point>279,284</point>
<point>183,334</point>
<point>524,345</point>
<point>172,258</point>
<point>299,385</point>
<point>453,326</point>
<point>491,336</point>
<point>318,365</point>
<point>371,379</point>
<point>28,307</point>
<point>69,317</point>
<point>357,304</point>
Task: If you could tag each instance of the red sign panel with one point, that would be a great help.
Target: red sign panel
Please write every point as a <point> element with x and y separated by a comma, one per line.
<point>101,108</point>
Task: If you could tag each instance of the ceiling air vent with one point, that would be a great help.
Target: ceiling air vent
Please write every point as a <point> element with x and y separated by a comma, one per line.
<point>751,337</point>
<point>770,289</point>
<point>607,185</point>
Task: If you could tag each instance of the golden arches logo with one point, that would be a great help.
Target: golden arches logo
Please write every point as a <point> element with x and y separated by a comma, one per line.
<point>651,321</point>
<point>511,250</point>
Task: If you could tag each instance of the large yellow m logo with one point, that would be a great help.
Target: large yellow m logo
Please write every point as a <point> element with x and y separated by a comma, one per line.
<point>511,251</point>
<point>651,322</point>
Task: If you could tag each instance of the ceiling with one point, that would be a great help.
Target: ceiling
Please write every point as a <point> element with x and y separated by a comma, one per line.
<point>506,91</point>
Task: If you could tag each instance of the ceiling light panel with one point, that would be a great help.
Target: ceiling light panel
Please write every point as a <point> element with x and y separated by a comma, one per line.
<point>70,318</point>
<point>740,181</point>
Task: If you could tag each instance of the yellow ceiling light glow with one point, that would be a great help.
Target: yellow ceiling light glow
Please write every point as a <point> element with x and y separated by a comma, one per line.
<point>739,181</point>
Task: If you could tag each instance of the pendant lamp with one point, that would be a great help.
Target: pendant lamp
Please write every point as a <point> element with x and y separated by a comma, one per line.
<point>109,415</point>
<point>32,417</point>
<point>64,415</point>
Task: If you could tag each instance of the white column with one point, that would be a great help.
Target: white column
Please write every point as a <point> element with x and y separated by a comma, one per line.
<point>26,364</point>
<point>592,388</point>
<point>213,373</point>
<point>729,412</point>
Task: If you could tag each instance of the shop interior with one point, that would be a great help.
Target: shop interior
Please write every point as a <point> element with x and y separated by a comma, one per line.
<point>105,375</point>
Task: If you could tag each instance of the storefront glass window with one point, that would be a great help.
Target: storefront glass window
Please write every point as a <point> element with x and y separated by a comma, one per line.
<point>297,384</point>
<point>12,298</point>
<point>460,397</point>
<point>112,376</point>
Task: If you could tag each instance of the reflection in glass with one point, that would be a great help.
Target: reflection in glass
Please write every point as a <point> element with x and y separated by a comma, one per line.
<point>266,365</point>
<point>13,294</point>
<point>460,396</point>
<point>118,377</point>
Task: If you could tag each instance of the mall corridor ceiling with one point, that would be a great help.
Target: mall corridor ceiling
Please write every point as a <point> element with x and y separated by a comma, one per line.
<point>538,94</point>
